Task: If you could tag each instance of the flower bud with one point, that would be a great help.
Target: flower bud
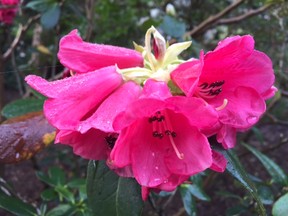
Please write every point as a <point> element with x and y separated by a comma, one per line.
<point>170,10</point>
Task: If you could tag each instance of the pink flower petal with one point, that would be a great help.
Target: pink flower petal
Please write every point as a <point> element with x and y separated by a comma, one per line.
<point>155,89</point>
<point>269,93</point>
<point>227,136</point>
<point>199,113</point>
<point>91,145</point>
<point>103,118</point>
<point>186,75</point>
<point>146,154</point>
<point>245,107</point>
<point>121,153</point>
<point>237,41</point>
<point>153,160</point>
<point>139,109</point>
<point>172,182</point>
<point>192,144</point>
<point>73,98</point>
<point>145,193</point>
<point>219,162</point>
<point>83,57</point>
<point>229,52</point>
<point>238,69</point>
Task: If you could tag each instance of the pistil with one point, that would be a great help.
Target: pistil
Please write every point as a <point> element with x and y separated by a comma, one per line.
<point>225,102</point>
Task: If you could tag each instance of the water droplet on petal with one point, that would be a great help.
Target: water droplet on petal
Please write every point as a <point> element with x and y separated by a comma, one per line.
<point>166,181</point>
<point>252,119</point>
<point>153,154</point>
<point>156,167</point>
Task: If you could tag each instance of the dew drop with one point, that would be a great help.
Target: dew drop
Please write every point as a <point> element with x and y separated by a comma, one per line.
<point>153,154</point>
<point>17,155</point>
<point>252,119</point>
<point>157,168</point>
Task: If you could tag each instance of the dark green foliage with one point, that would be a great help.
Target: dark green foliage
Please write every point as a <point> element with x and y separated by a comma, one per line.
<point>109,194</point>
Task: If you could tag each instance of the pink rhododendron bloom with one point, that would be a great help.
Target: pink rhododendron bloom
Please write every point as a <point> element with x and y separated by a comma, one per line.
<point>160,137</point>
<point>9,10</point>
<point>81,57</point>
<point>148,113</point>
<point>235,79</point>
<point>82,108</point>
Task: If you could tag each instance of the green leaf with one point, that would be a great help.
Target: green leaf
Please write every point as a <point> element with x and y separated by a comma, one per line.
<point>50,18</point>
<point>277,174</point>
<point>21,107</point>
<point>236,210</point>
<point>15,205</point>
<point>49,194</point>
<point>45,178</point>
<point>38,5</point>
<point>57,175</point>
<point>266,194</point>
<point>76,183</point>
<point>188,200</point>
<point>197,189</point>
<point>62,209</point>
<point>198,192</point>
<point>173,27</point>
<point>235,168</point>
<point>280,207</point>
<point>64,192</point>
<point>109,194</point>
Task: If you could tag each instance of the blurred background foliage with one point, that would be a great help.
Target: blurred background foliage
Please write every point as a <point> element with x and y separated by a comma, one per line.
<point>30,46</point>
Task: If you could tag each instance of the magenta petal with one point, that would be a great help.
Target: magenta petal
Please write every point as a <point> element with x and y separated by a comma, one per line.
<point>91,145</point>
<point>72,99</point>
<point>219,162</point>
<point>82,57</point>
<point>136,142</point>
<point>145,193</point>
<point>245,107</point>
<point>172,182</point>
<point>199,113</point>
<point>148,163</point>
<point>76,84</point>
<point>237,41</point>
<point>117,102</point>
<point>123,171</point>
<point>192,144</point>
<point>269,93</point>
<point>228,54</point>
<point>139,109</point>
<point>252,70</point>
<point>121,153</point>
<point>227,136</point>
<point>186,75</point>
<point>155,89</point>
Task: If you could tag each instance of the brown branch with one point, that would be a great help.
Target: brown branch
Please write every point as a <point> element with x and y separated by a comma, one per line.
<point>21,30</point>
<point>89,8</point>
<point>1,85</point>
<point>284,93</point>
<point>243,16</point>
<point>212,19</point>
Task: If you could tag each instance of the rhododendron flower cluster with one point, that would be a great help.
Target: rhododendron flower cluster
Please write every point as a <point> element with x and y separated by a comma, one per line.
<point>148,113</point>
<point>8,10</point>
